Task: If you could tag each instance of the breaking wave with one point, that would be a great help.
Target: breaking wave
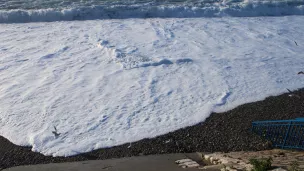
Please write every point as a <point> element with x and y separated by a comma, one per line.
<point>240,9</point>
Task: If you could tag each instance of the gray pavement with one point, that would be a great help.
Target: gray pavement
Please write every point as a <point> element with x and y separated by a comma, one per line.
<point>141,163</point>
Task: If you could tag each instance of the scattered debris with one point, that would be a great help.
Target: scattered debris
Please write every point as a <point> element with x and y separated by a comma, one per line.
<point>55,132</point>
<point>167,141</point>
<point>293,95</point>
<point>130,145</point>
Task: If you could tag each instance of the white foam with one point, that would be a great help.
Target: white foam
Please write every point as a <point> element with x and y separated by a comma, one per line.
<point>103,83</point>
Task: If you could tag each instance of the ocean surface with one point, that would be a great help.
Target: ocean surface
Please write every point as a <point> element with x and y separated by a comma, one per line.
<point>12,11</point>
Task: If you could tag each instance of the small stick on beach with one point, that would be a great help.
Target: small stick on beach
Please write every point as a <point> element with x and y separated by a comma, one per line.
<point>296,43</point>
<point>56,134</point>
<point>293,95</point>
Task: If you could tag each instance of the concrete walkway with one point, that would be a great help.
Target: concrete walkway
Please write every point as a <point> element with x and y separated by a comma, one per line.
<point>142,163</point>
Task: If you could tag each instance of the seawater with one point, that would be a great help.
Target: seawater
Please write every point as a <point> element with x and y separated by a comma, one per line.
<point>12,11</point>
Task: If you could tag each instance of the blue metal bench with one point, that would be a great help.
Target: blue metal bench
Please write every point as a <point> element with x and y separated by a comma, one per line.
<point>282,133</point>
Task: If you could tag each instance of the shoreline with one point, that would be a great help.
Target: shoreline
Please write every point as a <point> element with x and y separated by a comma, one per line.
<point>221,132</point>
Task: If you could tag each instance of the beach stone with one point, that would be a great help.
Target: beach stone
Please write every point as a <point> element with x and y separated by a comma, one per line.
<point>279,169</point>
<point>189,164</point>
<point>231,168</point>
<point>193,165</point>
<point>225,161</point>
<point>207,157</point>
<point>211,159</point>
<point>183,161</point>
<point>239,167</point>
<point>215,162</point>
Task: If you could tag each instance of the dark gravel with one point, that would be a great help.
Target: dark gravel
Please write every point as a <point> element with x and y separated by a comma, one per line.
<point>229,131</point>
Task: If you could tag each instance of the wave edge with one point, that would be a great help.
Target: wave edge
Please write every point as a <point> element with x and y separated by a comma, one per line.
<point>124,12</point>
